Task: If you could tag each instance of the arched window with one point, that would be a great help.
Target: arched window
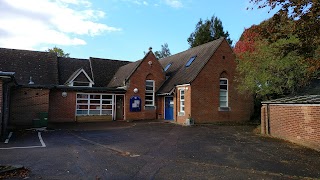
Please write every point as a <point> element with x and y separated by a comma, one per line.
<point>150,91</point>
<point>223,98</point>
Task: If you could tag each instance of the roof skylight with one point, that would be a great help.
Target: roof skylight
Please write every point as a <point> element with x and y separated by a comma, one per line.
<point>167,67</point>
<point>191,60</point>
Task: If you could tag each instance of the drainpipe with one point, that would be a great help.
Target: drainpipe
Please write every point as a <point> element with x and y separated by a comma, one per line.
<point>176,103</point>
<point>6,103</point>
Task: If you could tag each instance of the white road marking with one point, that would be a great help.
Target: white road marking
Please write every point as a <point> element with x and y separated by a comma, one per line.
<point>41,140</point>
<point>9,136</point>
<point>26,147</point>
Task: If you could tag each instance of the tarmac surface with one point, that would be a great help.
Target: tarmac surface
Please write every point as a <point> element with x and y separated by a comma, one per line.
<point>157,150</point>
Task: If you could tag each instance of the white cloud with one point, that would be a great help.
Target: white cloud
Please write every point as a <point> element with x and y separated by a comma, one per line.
<point>171,3</point>
<point>174,3</point>
<point>29,24</point>
<point>137,2</point>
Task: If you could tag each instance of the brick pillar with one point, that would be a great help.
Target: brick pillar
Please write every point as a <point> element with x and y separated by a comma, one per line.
<point>263,119</point>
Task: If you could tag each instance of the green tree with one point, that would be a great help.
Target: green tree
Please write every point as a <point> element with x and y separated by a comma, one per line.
<point>206,31</point>
<point>269,71</point>
<point>59,52</point>
<point>164,52</point>
<point>305,17</point>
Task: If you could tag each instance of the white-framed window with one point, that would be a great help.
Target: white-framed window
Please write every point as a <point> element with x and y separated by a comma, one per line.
<point>149,96</point>
<point>81,84</point>
<point>182,100</point>
<point>94,104</point>
<point>223,92</point>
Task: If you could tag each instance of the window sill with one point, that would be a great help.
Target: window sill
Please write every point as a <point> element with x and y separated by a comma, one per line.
<point>149,107</point>
<point>224,109</point>
<point>181,114</point>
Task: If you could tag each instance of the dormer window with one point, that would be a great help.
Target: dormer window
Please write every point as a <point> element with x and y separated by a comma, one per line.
<point>167,67</point>
<point>191,60</point>
<point>80,79</point>
<point>81,84</point>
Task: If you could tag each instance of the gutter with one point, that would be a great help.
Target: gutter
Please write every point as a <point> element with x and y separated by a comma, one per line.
<point>285,103</point>
<point>63,87</point>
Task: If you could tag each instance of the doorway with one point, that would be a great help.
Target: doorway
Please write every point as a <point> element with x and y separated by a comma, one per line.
<point>168,108</point>
<point>119,107</point>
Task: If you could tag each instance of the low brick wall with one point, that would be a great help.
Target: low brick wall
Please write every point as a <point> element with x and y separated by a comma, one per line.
<point>293,122</point>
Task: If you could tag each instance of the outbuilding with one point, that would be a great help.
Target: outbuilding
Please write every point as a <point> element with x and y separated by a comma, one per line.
<point>296,119</point>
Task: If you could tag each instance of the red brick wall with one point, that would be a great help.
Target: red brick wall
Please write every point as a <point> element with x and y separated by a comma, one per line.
<point>298,124</point>
<point>206,90</point>
<point>264,125</point>
<point>26,104</point>
<point>62,109</point>
<point>181,119</point>
<point>137,80</point>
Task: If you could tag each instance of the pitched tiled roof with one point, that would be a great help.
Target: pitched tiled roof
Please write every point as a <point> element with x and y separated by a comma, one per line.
<point>123,74</point>
<point>104,70</point>
<point>307,95</point>
<point>68,66</point>
<point>41,66</point>
<point>307,99</point>
<point>178,72</point>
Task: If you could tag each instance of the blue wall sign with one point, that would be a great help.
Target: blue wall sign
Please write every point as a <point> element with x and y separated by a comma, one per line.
<point>135,104</point>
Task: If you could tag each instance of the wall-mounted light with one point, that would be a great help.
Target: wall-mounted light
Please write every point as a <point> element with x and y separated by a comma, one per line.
<point>135,90</point>
<point>64,94</point>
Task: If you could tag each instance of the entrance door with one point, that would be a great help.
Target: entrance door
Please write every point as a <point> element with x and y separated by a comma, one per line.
<point>119,107</point>
<point>168,108</point>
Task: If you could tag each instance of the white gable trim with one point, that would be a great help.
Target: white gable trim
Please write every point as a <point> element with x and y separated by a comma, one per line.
<point>77,74</point>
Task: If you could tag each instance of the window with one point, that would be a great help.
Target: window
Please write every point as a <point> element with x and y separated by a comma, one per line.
<point>149,96</point>
<point>190,61</point>
<point>181,100</point>
<point>223,92</point>
<point>81,84</point>
<point>80,79</point>
<point>94,104</point>
<point>167,67</point>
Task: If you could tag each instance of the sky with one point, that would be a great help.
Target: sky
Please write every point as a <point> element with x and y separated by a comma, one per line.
<point>116,29</point>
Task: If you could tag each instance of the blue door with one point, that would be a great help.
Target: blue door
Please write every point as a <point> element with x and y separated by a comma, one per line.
<point>168,108</point>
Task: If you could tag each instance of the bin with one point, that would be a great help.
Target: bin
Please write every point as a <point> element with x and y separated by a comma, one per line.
<point>43,119</point>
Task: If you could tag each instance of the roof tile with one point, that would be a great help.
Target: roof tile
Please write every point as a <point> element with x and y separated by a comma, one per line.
<point>104,70</point>
<point>178,72</point>
<point>41,66</point>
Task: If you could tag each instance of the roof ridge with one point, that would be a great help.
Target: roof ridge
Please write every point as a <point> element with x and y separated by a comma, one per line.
<point>96,58</point>
<point>81,59</point>
<point>199,46</point>
<point>37,51</point>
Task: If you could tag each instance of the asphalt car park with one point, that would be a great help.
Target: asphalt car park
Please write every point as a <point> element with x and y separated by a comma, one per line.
<point>23,140</point>
<point>157,150</point>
